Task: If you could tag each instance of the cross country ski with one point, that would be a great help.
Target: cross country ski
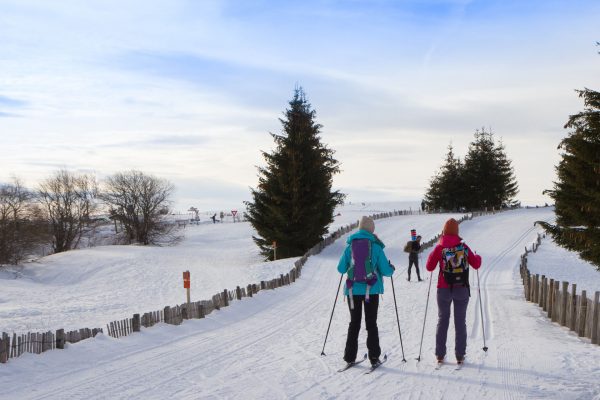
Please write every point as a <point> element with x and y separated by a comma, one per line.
<point>352,364</point>
<point>377,364</point>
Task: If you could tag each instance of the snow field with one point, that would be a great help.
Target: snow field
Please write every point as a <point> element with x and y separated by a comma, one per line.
<point>269,346</point>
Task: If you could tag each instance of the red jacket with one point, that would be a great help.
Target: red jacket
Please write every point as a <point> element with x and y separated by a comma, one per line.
<point>435,257</point>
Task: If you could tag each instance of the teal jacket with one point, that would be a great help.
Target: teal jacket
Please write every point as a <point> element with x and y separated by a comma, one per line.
<point>379,261</point>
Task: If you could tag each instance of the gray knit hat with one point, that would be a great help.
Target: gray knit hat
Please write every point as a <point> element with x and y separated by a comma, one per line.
<point>367,224</point>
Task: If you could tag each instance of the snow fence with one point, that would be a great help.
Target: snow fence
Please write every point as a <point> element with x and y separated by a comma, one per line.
<point>575,311</point>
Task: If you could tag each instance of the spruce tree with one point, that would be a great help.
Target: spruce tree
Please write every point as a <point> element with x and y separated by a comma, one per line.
<point>488,173</point>
<point>577,191</point>
<point>446,188</point>
<point>294,203</point>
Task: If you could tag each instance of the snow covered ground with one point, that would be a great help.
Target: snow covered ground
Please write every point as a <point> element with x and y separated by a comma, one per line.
<point>93,286</point>
<point>269,346</point>
<point>562,265</point>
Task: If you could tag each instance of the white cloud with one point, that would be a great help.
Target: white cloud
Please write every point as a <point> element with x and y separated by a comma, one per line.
<point>189,90</point>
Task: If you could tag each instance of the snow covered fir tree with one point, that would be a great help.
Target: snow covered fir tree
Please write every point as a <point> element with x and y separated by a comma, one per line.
<point>577,190</point>
<point>294,201</point>
<point>485,179</point>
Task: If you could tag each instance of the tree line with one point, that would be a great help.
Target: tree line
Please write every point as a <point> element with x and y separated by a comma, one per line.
<point>65,206</point>
<point>294,202</point>
<point>484,180</point>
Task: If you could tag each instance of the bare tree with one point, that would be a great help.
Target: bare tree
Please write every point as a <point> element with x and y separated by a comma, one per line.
<point>68,200</point>
<point>139,202</point>
<point>21,229</point>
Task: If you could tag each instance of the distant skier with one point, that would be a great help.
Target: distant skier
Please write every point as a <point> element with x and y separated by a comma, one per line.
<point>221,216</point>
<point>414,246</point>
<point>453,257</point>
<point>366,264</point>
<point>214,218</point>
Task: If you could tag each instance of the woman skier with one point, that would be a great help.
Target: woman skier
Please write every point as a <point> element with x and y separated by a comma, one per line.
<point>454,258</point>
<point>366,264</point>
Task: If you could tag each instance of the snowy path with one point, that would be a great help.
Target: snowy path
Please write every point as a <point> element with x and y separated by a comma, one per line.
<point>269,346</point>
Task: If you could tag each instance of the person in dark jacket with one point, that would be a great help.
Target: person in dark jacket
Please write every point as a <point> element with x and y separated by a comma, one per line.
<point>363,294</point>
<point>413,257</point>
<point>457,294</point>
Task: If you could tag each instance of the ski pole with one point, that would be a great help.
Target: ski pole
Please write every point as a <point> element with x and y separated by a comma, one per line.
<point>481,310</point>
<point>330,318</point>
<point>397,318</point>
<point>425,318</point>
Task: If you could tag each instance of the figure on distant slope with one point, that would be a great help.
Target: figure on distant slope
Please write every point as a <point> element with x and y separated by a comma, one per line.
<point>413,247</point>
<point>453,257</point>
<point>366,265</point>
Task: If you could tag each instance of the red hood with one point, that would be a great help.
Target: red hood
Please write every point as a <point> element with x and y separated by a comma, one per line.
<point>450,240</point>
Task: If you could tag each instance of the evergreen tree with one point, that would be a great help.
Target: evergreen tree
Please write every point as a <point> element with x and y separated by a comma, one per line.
<point>293,203</point>
<point>577,191</point>
<point>488,173</point>
<point>446,188</point>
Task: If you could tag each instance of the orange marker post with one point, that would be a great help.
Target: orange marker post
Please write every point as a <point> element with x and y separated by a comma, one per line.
<point>186,283</point>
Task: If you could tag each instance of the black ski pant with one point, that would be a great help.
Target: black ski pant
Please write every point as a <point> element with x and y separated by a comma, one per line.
<point>413,259</point>
<point>371,324</point>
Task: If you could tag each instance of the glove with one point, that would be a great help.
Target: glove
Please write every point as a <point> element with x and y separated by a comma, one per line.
<point>393,267</point>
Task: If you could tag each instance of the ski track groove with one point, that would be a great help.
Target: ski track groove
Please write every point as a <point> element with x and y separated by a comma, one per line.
<point>508,377</point>
<point>484,288</point>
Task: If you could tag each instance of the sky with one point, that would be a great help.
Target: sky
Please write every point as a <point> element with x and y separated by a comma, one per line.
<point>189,90</point>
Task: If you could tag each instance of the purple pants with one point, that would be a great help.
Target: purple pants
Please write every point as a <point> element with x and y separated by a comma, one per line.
<point>459,295</point>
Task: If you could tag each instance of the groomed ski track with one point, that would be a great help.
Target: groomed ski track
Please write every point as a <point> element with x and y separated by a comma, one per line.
<point>268,347</point>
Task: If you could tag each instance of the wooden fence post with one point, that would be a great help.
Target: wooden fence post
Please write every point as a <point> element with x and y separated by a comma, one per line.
<point>582,313</point>
<point>167,313</point>
<point>544,293</point>
<point>550,297</point>
<point>3,357</point>
<point>563,308</point>
<point>136,323</point>
<point>60,339</point>
<point>595,318</point>
<point>555,306</point>
<point>573,325</point>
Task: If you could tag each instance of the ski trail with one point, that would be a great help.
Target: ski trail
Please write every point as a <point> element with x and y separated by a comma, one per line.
<point>484,275</point>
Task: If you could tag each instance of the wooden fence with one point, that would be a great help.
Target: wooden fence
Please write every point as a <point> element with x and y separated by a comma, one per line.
<point>578,312</point>
<point>39,342</point>
<point>174,315</point>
